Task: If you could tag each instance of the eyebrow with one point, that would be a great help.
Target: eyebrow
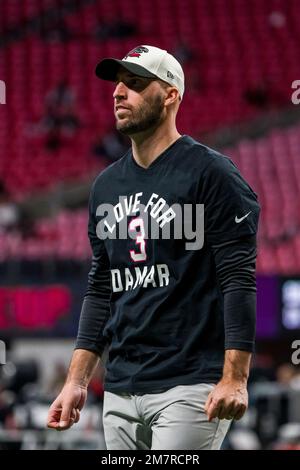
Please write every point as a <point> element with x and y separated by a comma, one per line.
<point>130,76</point>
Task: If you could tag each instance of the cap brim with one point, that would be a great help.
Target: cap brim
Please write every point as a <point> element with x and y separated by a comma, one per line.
<point>107,69</point>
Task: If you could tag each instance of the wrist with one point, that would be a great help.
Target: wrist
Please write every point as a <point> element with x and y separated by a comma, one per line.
<point>78,382</point>
<point>82,367</point>
<point>237,377</point>
<point>236,366</point>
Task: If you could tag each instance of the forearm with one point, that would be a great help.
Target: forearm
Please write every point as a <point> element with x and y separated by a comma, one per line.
<point>235,265</point>
<point>82,367</point>
<point>240,320</point>
<point>236,365</point>
<point>95,309</point>
<point>93,318</point>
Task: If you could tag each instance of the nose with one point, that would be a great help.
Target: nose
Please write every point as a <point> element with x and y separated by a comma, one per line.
<point>120,91</point>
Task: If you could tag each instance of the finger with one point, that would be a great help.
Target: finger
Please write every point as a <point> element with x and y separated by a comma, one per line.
<point>240,413</point>
<point>66,415</point>
<point>229,411</point>
<point>234,413</point>
<point>210,409</point>
<point>213,410</point>
<point>77,418</point>
<point>74,414</point>
<point>53,424</point>
<point>53,417</point>
<point>208,401</point>
<point>222,412</point>
<point>72,420</point>
<point>65,426</point>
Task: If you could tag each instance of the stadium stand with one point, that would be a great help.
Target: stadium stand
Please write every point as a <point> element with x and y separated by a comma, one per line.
<point>225,39</point>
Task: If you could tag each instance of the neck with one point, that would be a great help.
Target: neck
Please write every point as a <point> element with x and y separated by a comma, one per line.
<point>147,146</point>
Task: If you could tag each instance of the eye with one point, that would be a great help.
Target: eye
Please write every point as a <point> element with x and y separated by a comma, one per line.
<point>128,81</point>
<point>133,81</point>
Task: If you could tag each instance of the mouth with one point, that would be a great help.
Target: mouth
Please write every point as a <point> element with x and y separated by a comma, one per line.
<point>121,108</point>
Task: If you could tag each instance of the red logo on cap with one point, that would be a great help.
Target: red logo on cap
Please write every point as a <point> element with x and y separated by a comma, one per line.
<point>136,52</point>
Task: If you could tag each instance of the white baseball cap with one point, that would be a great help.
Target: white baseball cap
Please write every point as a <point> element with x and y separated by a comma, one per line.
<point>145,61</point>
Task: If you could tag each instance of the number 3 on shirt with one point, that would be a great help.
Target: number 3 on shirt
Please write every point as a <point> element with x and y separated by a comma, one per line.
<point>139,239</point>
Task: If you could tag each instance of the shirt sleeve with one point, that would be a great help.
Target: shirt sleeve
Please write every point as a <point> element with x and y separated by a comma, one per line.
<point>231,208</point>
<point>95,310</point>
<point>231,213</point>
<point>235,268</point>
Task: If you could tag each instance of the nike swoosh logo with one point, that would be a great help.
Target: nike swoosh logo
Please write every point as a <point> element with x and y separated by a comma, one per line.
<point>237,220</point>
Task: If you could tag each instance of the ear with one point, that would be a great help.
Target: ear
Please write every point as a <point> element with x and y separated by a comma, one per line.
<point>172,95</point>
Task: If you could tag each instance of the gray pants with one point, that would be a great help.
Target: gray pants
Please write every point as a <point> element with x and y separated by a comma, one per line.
<point>174,419</point>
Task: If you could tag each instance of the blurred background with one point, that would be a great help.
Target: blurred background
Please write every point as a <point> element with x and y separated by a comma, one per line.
<point>240,58</point>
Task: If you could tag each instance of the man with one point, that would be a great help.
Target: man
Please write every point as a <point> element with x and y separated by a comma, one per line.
<point>178,318</point>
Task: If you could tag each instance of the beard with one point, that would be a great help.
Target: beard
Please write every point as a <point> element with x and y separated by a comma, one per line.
<point>145,117</point>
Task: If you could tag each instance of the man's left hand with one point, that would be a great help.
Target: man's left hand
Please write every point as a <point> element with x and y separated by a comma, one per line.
<point>228,400</point>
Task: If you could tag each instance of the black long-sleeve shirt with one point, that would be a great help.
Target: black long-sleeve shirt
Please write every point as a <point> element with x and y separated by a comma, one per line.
<point>166,312</point>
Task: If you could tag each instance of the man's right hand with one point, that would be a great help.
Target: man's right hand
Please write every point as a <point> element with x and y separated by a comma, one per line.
<point>65,410</point>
